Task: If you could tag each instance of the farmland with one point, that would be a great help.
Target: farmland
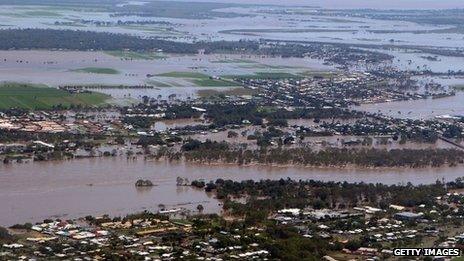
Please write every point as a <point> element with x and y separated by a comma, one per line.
<point>199,79</point>
<point>27,96</point>
<point>130,55</point>
<point>97,70</point>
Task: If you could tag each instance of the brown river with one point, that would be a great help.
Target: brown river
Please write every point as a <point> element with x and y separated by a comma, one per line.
<point>31,192</point>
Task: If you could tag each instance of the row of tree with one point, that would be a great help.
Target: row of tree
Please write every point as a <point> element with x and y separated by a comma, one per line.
<point>214,152</point>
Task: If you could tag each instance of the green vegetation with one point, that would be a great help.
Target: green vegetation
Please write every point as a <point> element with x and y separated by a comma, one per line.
<point>159,83</point>
<point>316,74</point>
<point>272,195</point>
<point>173,9</point>
<point>104,41</point>
<point>214,83</point>
<point>459,87</point>
<point>130,55</point>
<point>184,75</point>
<point>407,158</point>
<point>153,30</point>
<point>181,221</point>
<point>67,25</point>
<point>265,75</point>
<point>251,31</point>
<point>97,70</point>
<point>229,92</point>
<point>233,61</point>
<point>11,15</point>
<point>200,79</point>
<point>276,75</point>
<point>28,96</point>
<point>41,13</point>
<point>267,66</point>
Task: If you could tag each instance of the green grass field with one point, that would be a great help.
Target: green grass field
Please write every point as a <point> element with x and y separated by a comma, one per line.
<point>28,96</point>
<point>159,83</point>
<point>193,75</point>
<point>66,25</point>
<point>234,61</point>
<point>42,13</point>
<point>128,55</point>
<point>214,83</point>
<point>199,79</point>
<point>267,66</point>
<point>459,87</point>
<point>97,70</point>
<point>324,74</point>
<point>266,75</point>
<point>230,92</point>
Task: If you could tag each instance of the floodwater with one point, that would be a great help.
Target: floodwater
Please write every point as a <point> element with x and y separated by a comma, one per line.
<point>57,68</point>
<point>273,22</point>
<point>178,123</point>
<point>419,109</point>
<point>34,191</point>
<point>425,108</point>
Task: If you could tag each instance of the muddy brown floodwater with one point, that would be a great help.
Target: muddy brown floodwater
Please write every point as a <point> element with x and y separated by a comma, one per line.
<point>31,192</point>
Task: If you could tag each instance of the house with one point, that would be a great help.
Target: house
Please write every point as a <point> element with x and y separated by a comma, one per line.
<point>396,207</point>
<point>407,216</point>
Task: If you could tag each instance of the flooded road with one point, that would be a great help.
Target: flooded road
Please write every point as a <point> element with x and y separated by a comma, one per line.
<point>34,191</point>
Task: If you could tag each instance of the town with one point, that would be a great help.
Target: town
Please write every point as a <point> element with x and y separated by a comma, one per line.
<point>231,130</point>
<point>314,114</point>
<point>306,220</point>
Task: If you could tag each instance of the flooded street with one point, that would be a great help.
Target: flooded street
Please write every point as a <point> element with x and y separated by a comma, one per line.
<point>34,191</point>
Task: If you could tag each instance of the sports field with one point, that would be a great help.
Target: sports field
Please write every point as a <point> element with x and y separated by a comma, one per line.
<point>28,96</point>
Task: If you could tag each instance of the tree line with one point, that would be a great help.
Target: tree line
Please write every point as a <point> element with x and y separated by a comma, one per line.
<point>221,152</point>
<point>87,40</point>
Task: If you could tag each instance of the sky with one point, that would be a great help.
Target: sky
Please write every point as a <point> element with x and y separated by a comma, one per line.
<point>377,4</point>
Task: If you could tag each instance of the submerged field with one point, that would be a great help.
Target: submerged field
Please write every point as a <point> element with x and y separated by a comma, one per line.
<point>179,75</point>
<point>97,70</point>
<point>27,96</point>
<point>199,79</point>
<point>459,87</point>
<point>266,75</point>
<point>129,55</point>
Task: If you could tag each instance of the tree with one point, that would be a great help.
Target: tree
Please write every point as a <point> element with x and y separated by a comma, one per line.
<point>179,181</point>
<point>4,234</point>
<point>353,245</point>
